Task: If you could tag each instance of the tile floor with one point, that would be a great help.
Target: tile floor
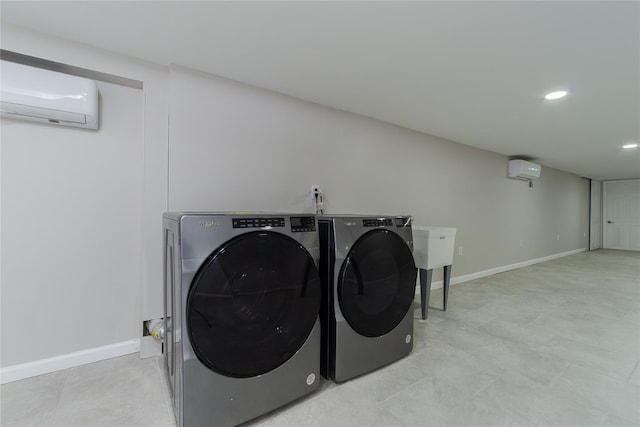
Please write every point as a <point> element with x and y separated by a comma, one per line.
<point>554,344</point>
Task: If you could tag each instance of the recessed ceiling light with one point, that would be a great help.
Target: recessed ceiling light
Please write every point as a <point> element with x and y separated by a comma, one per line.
<point>556,95</point>
<point>634,145</point>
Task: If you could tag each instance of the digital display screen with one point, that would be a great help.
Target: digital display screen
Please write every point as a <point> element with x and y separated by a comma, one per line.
<point>303,223</point>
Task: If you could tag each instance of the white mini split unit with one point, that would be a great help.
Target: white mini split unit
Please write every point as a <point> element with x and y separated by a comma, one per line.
<point>521,169</point>
<point>38,95</point>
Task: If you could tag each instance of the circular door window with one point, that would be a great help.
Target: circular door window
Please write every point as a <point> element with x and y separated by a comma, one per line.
<point>252,304</point>
<point>377,282</point>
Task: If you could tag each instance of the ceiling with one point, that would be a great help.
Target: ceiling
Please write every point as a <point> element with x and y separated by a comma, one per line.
<point>471,72</point>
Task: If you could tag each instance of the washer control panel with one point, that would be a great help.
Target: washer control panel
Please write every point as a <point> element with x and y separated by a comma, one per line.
<point>377,222</point>
<point>257,222</point>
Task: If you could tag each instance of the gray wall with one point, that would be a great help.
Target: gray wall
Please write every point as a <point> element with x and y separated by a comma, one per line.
<point>230,147</point>
<point>236,147</point>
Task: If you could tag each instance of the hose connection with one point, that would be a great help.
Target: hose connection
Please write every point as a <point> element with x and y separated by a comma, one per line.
<point>155,327</point>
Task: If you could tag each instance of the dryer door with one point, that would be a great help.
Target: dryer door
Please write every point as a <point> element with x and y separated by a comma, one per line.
<point>376,284</point>
<point>252,304</point>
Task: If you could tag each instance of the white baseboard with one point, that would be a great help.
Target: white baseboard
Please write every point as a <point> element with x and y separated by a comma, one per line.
<point>70,360</point>
<point>467,277</point>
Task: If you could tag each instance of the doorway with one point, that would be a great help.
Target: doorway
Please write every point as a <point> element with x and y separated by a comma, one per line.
<point>621,214</point>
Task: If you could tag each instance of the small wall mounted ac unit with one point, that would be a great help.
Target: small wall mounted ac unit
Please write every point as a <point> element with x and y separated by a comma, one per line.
<point>38,95</point>
<point>521,169</point>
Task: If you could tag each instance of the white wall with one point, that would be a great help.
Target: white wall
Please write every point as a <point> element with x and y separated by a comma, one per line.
<point>71,215</point>
<point>236,147</point>
<point>150,163</point>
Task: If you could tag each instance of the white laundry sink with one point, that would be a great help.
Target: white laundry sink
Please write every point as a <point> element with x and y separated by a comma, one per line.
<point>433,246</point>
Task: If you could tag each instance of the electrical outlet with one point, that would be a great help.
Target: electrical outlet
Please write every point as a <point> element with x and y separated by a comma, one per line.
<point>315,189</point>
<point>558,237</point>
<point>460,250</point>
<point>521,243</point>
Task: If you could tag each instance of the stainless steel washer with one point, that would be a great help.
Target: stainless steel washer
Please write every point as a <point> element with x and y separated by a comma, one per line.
<point>242,296</point>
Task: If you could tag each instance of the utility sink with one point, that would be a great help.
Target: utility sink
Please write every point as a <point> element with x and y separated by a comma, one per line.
<point>433,246</point>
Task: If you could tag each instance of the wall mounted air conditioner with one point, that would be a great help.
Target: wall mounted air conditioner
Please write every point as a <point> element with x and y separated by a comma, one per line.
<point>521,169</point>
<point>38,95</point>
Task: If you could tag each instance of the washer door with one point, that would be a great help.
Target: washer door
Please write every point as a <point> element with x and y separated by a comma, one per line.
<point>252,304</point>
<point>376,285</point>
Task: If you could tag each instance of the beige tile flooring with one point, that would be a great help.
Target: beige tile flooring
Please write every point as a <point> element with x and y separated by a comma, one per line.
<point>554,344</point>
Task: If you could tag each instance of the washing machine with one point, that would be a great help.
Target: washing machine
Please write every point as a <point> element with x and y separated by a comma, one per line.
<point>242,297</point>
<point>368,276</point>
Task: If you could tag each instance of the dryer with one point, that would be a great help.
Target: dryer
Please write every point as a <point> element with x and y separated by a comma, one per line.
<point>242,296</point>
<point>368,276</point>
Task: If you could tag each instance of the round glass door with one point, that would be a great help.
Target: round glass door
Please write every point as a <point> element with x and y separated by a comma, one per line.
<point>377,283</point>
<point>252,304</point>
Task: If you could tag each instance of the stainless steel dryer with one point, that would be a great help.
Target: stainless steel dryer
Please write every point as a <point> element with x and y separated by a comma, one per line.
<point>242,296</point>
<point>368,276</point>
